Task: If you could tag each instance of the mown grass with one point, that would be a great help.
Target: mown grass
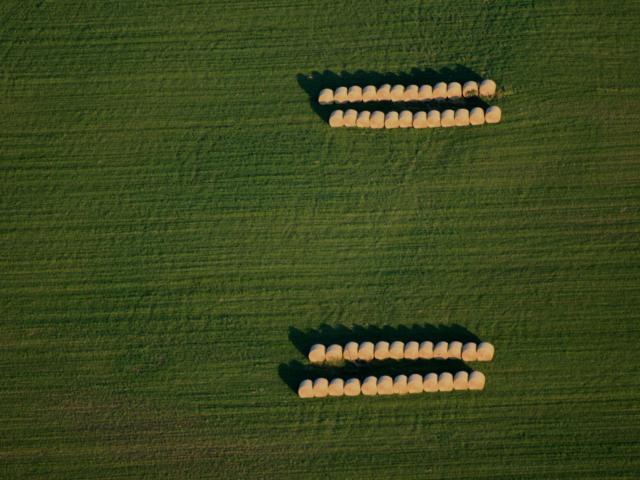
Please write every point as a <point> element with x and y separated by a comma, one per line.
<point>171,206</point>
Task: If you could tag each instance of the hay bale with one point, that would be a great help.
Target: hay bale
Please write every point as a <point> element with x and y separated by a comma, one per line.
<point>350,351</point>
<point>447,119</point>
<point>470,89</point>
<point>485,352</point>
<point>336,119</point>
<point>369,386</point>
<point>336,387</point>
<point>365,351</point>
<point>469,352</point>
<point>305,390</point>
<point>369,94</point>
<point>441,350</point>
<point>439,91</point>
<point>411,350</point>
<point>364,119</point>
<point>477,381</point>
<point>354,94</point>
<point>454,90</point>
<point>411,93</point>
<point>334,353</point>
<point>414,384</point>
<point>341,95</point>
<point>455,349</point>
<point>352,387</point>
<point>396,350</point>
<point>405,119</point>
<point>420,120</point>
<point>445,382</point>
<point>325,97</point>
<point>487,88</point>
<point>462,117</point>
<point>400,385</point>
<point>385,385</point>
<point>476,117</point>
<point>425,92</point>
<point>377,119</point>
<point>493,115</point>
<point>317,353</point>
<point>425,351</point>
<point>381,350</point>
<point>320,387</point>
<point>461,381</point>
<point>430,383</point>
<point>350,118</point>
<point>391,120</point>
<point>383,93</point>
<point>397,93</point>
<point>433,119</point>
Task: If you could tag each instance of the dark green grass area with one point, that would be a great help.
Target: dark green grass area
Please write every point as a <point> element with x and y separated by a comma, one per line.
<point>171,206</point>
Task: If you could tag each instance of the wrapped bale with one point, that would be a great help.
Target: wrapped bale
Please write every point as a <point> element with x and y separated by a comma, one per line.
<point>350,351</point>
<point>441,350</point>
<point>454,90</point>
<point>430,383</point>
<point>364,119</point>
<point>325,97</point>
<point>420,120</point>
<point>352,387</point>
<point>397,93</point>
<point>334,353</point>
<point>381,350</point>
<point>336,387</point>
<point>470,89</point>
<point>396,350</point>
<point>365,351</point>
<point>454,350</point>
<point>426,350</point>
<point>439,91</point>
<point>485,352</point>
<point>476,381</point>
<point>476,117</point>
<point>411,350</point>
<point>405,119</point>
<point>350,118</point>
<point>320,387</point>
<point>445,382</point>
<point>462,117</point>
<point>341,95</point>
<point>461,381</point>
<point>424,93</point>
<point>414,384</point>
<point>369,94</point>
<point>336,119</point>
<point>447,119</point>
<point>400,385</point>
<point>384,93</point>
<point>305,390</point>
<point>493,115</point>
<point>385,385</point>
<point>469,353</point>
<point>354,94</point>
<point>391,120</point>
<point>317,353</point>
<point>411,93</point>
<point>487,88</point>
<point>377,119</point>
<point>369,386</point>
<point>433,119</point>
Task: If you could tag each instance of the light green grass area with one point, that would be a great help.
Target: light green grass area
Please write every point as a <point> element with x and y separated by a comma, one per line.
<point>170,206</point>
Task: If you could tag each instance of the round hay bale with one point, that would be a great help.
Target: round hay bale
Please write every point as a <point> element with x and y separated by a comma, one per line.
<point>325,97</point>
<point>445,382</point>
<point>364,119</point>
<point>433,119</point>
<point>397,93</point>
<point>317,353</point>
<point>447,119</point>
<point>352,387</point>
<point>383,93</point>
<point>369,386</point>
<point>377,119</point>
<point>455,350</point>
<point>350,118</point>
<point>441,350</point>
<point>381,350</point>
<point>400,385</point>
<point>476,117</point>
<point>350,351</point>
<point>477,381</point>
<point>320,387</point>
<point>439,91</point>
<point>305,390</point>
<point>461,381</point>
<point>391,120</point>
<point>385,385</point>
<point>336,387</point>
<point>462,117</point>
<point>454,90</point>
<point>369,94</point>
<point>414,384</point>
<point>365,351</point>
<point>396,350</point>
<point>420,120</point>
<point>485,352</point>
<point>487,88</point>
<point>341,95</point>
<point>354,94</point>
<point>430,383</point>
<point>411,350</point>
<point>425,351</point>
<point>493,115</point>
<point>470,89</point>
<point>425,92</point>
<point>411,93</point>
<point>336,119</point>
<point>334,353</point>
<point>469,353</point>
<point>405,119</point>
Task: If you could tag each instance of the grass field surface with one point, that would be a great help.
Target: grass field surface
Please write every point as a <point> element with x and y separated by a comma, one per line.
<point>177,221</point>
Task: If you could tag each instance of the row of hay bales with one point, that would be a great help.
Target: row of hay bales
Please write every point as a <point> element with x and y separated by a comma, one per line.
<point>386,385</point>
<point>461,117</point>
<point>409,93</point>
<point>368,351</point>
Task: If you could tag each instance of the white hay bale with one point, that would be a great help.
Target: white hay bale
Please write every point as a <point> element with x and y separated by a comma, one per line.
<point>411,93</point>
<point>400,385</point>
<point>364,119</point>
<point>493,115</point>
<point>369,94</point>
<point>354,94</point>
<point>396,350</point>
<point>461,381</point>
<point>377,119</point>
<point>411,350</point>
<point>469,352</point>
<point>425,92</point>
<point>485,351</point>
<point>414,384</point>
<point>420,120</point>
<point>334,353</point>
<point>445,382</point>
<point>352,387</point>
<point>369,386</point>
<point>430,383</point>
<point>305,390</point>
<point>320,387</point>
<point>477,381</point>
<point>476,117</point>
<point>462,117</point>
<point>325,97</point>
<point>454,90</point>
<point>433,119</point>
<point>405,119</point>
<point>455,349</point>
<point>397,93</point>
<point>439,91</point>
<point>336,387</point>
<point>447,119</point>
<point>385,385</point>
<point>383,93</point>
<point>336,119</point>
<point>341,95</point>
<point>365,351</point>
<point>381,350</point>
<point>350,118</point>
<point>350,351</point>
<point>426,350</point>
<point>487,88</point>
<point>441,350</point>
<point>317,353</point>
<point>470,89</point>
<point>391,120</point>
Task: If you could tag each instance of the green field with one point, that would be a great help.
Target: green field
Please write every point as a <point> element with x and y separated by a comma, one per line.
<point>176,221</point>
